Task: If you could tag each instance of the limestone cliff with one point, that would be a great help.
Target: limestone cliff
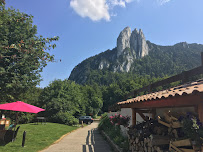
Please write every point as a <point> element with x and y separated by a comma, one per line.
<point>130,46</point>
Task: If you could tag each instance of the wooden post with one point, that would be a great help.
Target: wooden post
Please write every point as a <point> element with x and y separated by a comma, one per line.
<point>200,111</point>
<point>133,117</point>
<point>202,57</point>
<point>24,135</point>
<point>153,113</point>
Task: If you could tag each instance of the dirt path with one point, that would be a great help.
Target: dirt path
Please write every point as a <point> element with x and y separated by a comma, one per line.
<point>86,139</point>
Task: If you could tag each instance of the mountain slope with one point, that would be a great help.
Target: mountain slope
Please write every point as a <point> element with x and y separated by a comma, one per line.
<point>135,55</point>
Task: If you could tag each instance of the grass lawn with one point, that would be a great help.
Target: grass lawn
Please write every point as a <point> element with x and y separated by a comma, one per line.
<point>38,137</point>
<point>98,117</point>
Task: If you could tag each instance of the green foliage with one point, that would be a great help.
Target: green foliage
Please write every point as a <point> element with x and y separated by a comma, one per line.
<point>105,123</point>
<point>64,118</point>
<point>22,53</point>
<point>63,99</point>
<point>93,99</point>
<point>122,84</point>
<point>113,131</point>
<point>64,96</point>
<point>24,118</point>
<point>120,120</point>
<point>193,129</point>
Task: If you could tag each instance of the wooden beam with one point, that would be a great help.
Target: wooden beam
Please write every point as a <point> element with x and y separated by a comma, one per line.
<point>153,113</point>
<point>177,101</point>
<point>200,111</point>
<point>133,117</point>
<point>182,76</point>
<point>142,115</point>
<point>143,111</point>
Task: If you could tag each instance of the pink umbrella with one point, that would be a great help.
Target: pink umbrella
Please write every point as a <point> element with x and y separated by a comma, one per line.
<point>20,106</point>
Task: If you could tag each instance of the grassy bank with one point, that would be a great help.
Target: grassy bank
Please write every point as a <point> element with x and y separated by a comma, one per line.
<point>38,137</point>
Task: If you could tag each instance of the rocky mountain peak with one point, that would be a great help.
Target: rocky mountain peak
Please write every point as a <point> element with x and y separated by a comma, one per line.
<point>123,40</point>
<point>135,41</point>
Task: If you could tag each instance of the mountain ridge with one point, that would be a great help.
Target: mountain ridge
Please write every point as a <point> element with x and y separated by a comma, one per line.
<point>128,56</point>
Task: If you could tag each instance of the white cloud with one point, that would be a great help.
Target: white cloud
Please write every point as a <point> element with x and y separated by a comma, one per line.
<point>96,9</point>
<point>101,9</point>
<point>117,2</point>
<point>161,2</point>
<point>121,3</point>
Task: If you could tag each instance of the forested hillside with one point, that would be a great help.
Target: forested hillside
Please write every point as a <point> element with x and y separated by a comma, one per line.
<point>161,61</point>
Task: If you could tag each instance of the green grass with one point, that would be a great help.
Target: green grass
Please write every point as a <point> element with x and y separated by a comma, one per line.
<point>98,117</point>
<point>38,137</point>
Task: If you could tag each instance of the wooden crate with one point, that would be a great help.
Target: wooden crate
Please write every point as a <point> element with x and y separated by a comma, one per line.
<point>176,149</point>
<point>180,143</point>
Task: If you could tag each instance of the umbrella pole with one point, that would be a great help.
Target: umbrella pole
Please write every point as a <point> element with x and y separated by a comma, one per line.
<point>16,122</point>
<point>16,118</point>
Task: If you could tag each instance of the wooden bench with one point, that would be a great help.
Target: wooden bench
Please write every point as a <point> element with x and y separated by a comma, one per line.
<point>42,119</point>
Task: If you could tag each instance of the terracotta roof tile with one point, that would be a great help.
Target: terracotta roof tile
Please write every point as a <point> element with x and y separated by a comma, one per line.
<point>185,89</point>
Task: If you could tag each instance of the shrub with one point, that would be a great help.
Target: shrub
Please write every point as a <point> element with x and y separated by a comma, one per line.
<point>25,117</point>
<point>105,123</point>
<point>120,120</point>
<point>192,128</point>
<point>114,132</point>
<point>64,118</point>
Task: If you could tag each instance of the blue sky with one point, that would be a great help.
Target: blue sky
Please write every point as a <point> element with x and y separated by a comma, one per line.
<point>88,27</point>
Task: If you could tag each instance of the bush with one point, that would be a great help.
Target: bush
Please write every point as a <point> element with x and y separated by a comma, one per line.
<point>104,123</point>
<point>114,131</point>
<point>65,118</point>
<point>193,128</point>
<point>120,120</point>
<point>25,117</point>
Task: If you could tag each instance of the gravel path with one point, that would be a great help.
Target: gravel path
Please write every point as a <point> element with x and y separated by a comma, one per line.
<point>87,139</point>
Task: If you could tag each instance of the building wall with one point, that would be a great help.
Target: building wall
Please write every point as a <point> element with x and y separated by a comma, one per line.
<point>112,113</point>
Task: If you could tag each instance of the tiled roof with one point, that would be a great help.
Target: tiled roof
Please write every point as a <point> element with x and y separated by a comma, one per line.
<point>185,89</point>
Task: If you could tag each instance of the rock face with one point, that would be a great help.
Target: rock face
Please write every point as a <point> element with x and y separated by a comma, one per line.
<point>135,41</point>
<point>123,40</point>
<point>130,46</point>
<point>139,44</point>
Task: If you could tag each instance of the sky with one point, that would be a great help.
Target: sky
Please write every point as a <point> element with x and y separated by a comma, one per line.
<point>89,27</point>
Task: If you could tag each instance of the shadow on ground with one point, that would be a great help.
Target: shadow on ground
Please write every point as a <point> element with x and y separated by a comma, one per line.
<point>95,142</point>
